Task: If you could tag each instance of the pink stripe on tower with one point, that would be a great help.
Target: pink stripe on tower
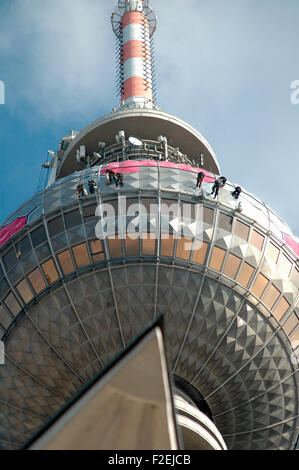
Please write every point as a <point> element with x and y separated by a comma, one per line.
<point>135,87</point>
<point>136,48</point>
<point>133,17</point>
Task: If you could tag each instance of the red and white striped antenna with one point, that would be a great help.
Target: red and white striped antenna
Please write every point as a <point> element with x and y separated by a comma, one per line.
<point>134,23</point>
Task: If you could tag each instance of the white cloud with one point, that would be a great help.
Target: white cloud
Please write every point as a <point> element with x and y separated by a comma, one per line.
<point>63,54</point>
<point>220,66</point>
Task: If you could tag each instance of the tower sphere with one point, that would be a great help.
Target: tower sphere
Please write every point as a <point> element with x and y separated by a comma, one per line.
<point>127,230</point>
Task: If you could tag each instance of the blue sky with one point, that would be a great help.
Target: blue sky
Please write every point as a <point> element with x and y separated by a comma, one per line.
<point>224,66</point>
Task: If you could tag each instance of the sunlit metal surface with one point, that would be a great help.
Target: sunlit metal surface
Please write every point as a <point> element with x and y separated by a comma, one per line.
<point>147,124</point>
<point>70,302</point>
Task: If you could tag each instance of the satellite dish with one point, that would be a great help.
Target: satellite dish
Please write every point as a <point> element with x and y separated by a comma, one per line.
<point>51,153</point>
<point>135,142</point>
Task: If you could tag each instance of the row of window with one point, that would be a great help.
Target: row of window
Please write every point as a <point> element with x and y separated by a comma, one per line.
<point>182,248</point>
<point>243,274</point>
<point>233,267</point>
<point>78,256</point>
<point>37,280</point>
<point>75,218</point>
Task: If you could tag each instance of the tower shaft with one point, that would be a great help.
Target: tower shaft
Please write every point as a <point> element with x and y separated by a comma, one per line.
<point>134,23</point>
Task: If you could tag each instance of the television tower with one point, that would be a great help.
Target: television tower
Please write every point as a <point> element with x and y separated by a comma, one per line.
<point>70,302</point>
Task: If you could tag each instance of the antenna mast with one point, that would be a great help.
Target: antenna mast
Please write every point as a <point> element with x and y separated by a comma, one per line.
<point>134,23</point>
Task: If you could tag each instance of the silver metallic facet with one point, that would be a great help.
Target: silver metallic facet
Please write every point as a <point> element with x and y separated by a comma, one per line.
<point>221,336</point>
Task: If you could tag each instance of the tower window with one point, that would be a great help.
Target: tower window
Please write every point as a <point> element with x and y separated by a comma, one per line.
<point>281,308</point>
<point>257,240</point>
<point>132,246</point>
<point>89,213</point>
<point>23,247</point>
<point>97,251</point>
<point>217,258</point>
<point>183,249</point>
<point>50,271</point>
<point>38,236</point>
<point>245,274</point>
<point>37,281</point>
<point>225,222</point>
<point>115,247</point>
<point>284,266</point>
<point>272,252</point>
<point>148,246</point>
<point>72,219</point>
<point>295,336</point>
<point>25,291</point>
<point>167,246</point>
<point>290,324</point>
<point>242,230</point>
<point>55,226</point>
<point>271,296</point>
<point>12,304</point>
<point>81,255</point>
<point>4,287</point>
<point>66,262</point>
<point>200,251</point>
<point>231,266</point>
<point>5,319</point>
<point>208,215</point>
<point>259,285</point>
<point>10,259</point>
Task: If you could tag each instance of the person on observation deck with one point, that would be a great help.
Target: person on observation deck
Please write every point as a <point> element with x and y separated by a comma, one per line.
<point>219,183</point>
<point>236,193</point>
<point>111,176</point>
<point>222,181</point>
<point>199,179</point>
<point>81,191</point>
<point>92,186</point>
<point>119,179</point>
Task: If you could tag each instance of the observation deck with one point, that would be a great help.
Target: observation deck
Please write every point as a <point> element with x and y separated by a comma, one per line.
<point>147,125</point>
